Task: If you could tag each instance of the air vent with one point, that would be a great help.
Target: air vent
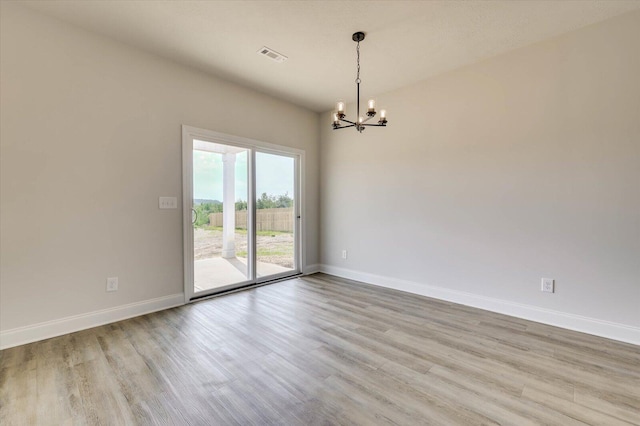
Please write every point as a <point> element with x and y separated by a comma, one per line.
<point>272,54</point>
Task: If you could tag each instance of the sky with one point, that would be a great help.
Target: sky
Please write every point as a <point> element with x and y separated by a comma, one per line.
<point>274,175</point>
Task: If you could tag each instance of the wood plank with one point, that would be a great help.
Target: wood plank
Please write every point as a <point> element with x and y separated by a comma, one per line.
<point>321,350</point>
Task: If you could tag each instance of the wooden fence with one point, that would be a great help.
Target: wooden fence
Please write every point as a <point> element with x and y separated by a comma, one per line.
<point>266,219</point>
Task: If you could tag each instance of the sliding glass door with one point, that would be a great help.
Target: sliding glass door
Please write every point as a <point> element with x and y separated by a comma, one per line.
<point>242,213</point>
<point>219,216</point>
<point>275,214</point>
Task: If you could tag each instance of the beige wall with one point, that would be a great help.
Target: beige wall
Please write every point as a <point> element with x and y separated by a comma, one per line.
<point>90,138</point>
<point>493,176</point>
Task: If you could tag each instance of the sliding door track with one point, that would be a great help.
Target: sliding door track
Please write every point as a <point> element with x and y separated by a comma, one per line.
<point>242,288</point>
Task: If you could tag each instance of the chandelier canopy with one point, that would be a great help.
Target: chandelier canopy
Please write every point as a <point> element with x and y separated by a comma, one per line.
<point>339,120</point>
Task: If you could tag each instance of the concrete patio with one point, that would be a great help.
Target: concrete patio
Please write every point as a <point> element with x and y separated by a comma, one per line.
<point>219,272</point>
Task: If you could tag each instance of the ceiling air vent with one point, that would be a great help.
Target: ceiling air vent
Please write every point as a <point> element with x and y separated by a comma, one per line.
<point>272,54</point>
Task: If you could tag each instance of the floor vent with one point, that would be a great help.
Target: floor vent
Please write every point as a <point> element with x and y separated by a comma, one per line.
<point>272,54</point>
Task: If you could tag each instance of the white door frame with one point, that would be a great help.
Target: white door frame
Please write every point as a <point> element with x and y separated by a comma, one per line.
<point>190,133</point>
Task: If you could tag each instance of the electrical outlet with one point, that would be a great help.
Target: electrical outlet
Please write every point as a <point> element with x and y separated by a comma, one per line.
<point>344,254</point>
<point>112,284</point>
<point>168,203</point>
<point>548,285</point>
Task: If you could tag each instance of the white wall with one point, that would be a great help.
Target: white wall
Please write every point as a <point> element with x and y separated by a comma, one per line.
<point>487,178</point>
<point>90,138</point>
<point>491,177</point>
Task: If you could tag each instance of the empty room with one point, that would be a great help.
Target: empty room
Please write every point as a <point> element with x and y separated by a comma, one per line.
<point>319,212</point>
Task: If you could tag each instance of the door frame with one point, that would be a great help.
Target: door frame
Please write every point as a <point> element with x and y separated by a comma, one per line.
<point>189,133</point>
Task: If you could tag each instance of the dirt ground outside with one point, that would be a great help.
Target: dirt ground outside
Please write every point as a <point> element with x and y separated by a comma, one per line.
<point>273,247</point>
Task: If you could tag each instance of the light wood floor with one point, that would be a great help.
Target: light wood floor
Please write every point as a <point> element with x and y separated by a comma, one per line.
<point>321,350</point>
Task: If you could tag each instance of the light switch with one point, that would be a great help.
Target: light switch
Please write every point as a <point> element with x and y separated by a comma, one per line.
<point>168,203</point>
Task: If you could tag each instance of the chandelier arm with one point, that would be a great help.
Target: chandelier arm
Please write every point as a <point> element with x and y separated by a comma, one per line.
<point>344,127</point>
<point>375,125</point>
<point>347,121</point>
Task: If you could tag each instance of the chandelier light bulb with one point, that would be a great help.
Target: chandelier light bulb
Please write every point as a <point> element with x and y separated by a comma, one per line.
<point>340,107</point>
<point>383,117</point>
<point>372,105</point>
<point>335,118</point>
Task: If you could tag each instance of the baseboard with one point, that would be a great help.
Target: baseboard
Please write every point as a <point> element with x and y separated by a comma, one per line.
<point>48,329</point>
<point>311,269</point>
<point>611,330</point>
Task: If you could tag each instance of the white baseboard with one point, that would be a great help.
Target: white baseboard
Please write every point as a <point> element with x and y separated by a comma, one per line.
<point>48,329</point>
<point>610,330</point>
<point>311,269</point>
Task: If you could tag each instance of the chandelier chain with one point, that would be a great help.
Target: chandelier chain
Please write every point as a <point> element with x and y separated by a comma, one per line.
<point>358,54</point>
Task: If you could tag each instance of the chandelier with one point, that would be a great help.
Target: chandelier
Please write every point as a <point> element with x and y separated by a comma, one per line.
<point>339,120</point>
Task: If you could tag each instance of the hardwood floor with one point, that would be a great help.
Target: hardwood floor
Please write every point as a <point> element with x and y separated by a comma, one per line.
<point>322,350</point>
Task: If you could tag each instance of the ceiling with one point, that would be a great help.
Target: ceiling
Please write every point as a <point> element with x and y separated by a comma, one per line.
<point>407,41</point>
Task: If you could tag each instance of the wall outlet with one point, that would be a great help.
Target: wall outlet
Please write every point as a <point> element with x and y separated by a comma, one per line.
<point>548,285</point>
<point>344,254</point>
<point>168,203</point>
<point>112,284</point>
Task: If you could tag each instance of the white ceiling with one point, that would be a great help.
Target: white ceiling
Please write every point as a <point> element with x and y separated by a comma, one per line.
<point>407,41</point>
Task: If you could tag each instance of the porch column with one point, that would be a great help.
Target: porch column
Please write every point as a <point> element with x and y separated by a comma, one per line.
<point>228,206</point>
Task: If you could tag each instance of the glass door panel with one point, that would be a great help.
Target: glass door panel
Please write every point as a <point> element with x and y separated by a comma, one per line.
<point>219,216</point>
<point>275,215</point>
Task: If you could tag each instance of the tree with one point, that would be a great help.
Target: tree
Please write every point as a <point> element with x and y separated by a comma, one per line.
<point>204,210</point>
<point>274,202</point>
<point>284,201</point>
